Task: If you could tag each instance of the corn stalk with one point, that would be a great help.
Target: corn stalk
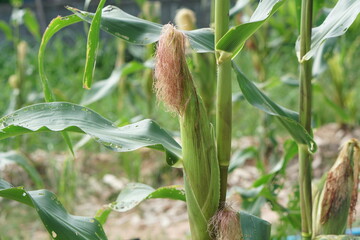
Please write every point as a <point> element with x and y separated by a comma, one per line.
<point>223,104</point>
<point>305,157</point>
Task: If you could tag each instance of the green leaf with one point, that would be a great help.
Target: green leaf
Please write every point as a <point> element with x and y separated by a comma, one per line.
<point>123,25</point>
<point>201,40</point>
<point>140,31</point>
<point>92,46</point>
<point>103,214</point>
<point>55,25</point>
<point>32,24</point>
<point>233,41</point>
<point>254,228</point>
<point>57,221</point>
<point>336,24</point>
<point>290,150</point>
<point>62,116</point>
<point>6,29</point>
<point>287,118</point>
<point>14,157</point>
<point>239,157</point>
<point>135,193</point>
<point>105,87</point>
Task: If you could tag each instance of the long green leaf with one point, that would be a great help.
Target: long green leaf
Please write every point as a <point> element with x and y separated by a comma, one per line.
<point>57,221</point>
<point>287,118</point>
<point>55,25</point>
<point>105,87</point>
<point>233,41</point>
<point>123,25</point>
<point>336,24</point>
<point>134,193</point>
<point>14,157</point>
<point>140,31</point>
<point>62,116</point>
<point>92,46</point>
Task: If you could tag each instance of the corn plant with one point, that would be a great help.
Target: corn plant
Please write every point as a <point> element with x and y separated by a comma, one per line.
<point>205,150</point>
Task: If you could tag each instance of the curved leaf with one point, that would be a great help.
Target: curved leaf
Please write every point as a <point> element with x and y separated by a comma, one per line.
<point>58,222</point>
<point>336,24</point>
<point>55,25</point>
<point>123,25</point>
<point>62,116</point>
<point>233,41</point>
<point>254,228</point>
<point>92,46</point>
<point>139,31</point>
<point>288,118</point>
<point>135,193</point>
<point>105,87</point>
<point>14,157</point>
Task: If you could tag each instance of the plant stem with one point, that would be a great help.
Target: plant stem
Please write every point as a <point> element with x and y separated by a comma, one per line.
<point>305,119</point>
<point>223,104</point>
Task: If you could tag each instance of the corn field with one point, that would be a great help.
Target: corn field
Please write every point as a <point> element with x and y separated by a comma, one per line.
<point>122,126</point>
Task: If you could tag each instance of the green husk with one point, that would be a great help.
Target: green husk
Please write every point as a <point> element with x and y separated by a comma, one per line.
<point>334,202</point>
<point>175,87</point>
<point>200,164</point>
